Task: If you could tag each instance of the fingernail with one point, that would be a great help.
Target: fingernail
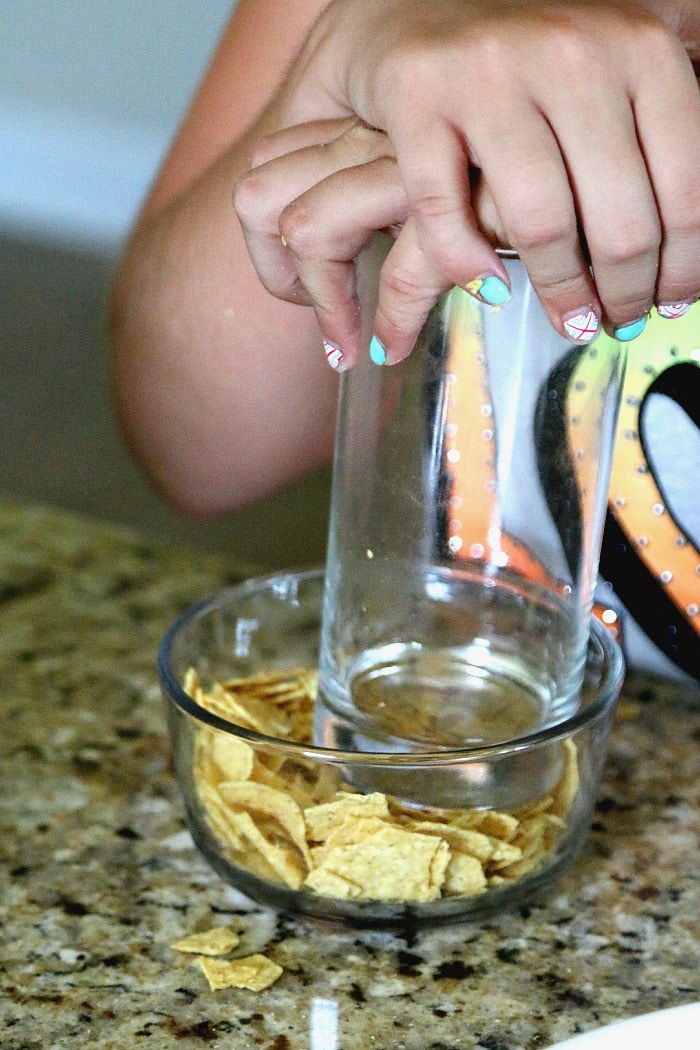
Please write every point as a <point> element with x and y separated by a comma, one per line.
<point>377,351</point>
<point>627,332</point>
<point>670,310</point>
<point>490,290</point>
<point>334,355</point>
<point>582,326</point>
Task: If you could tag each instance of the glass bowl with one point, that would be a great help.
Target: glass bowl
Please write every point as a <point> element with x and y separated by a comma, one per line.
<point>347,835</point>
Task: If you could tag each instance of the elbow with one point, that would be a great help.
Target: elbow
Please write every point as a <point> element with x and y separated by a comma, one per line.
<point>172,430</point>
<point>138,378</point>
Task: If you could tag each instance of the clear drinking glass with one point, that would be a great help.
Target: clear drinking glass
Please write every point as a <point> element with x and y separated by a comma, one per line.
<point>467,509</point>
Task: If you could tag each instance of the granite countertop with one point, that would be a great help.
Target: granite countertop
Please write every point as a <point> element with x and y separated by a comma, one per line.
<point>98,875</point>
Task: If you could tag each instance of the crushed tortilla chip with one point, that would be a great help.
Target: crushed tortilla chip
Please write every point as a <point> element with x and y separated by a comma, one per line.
<point>322,818</point>
<point>566,790</point>
<point>496,825</point>
<point>254,972</point>
<point>232,756</point>
<point>218,941</point>
<point>292,820</point>
<point>460,840</point>
<point>464,876</point>
<point>259,798</point>
<point>351,830</point>
<point>392,864</point>
<point>283,860</point>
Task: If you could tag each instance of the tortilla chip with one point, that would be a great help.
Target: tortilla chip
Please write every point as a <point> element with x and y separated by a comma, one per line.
<point>292,819</point>
<point>566,790</point>
<point>460,840</point>
<point>219,941</point>
<point>232,756</point>
<point>464,876</point>
<point>285,862</point>
<point>320,819</point>
<point>496,825</point>
<point>254,972</point>
<point>259,798</point>
<point>392,864</point>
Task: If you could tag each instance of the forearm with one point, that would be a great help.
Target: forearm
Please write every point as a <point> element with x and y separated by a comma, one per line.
<point>220,388</point>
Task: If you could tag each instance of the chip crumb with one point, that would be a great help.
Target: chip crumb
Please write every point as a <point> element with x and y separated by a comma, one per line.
<point>218,941</point>
<point>254,973</point>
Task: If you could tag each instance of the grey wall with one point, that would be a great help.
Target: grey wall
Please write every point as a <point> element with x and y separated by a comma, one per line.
<point>122,61</point>
<point>90,93</point>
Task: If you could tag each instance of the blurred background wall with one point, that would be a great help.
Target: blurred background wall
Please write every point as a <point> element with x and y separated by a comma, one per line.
<point>91,92</point>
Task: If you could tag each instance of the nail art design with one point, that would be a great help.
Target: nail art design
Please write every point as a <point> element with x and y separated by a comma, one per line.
<point>582,327</point>
<point>377,351</point>
<point>670,310</point>
<point>334,355</point>
<point>627,332</point>
<point>490,290</point>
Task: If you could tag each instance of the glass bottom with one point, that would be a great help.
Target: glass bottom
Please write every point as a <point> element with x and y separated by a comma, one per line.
<point>474,659</point>
<point>480,661</point>
<point>414,698</point>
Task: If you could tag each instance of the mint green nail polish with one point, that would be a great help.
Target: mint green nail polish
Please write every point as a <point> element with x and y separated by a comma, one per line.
<point>494,291</point>
<point>377,351</point>
<point>627,332</point>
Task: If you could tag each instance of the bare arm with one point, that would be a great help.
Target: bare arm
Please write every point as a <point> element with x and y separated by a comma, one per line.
<point>221,389</point>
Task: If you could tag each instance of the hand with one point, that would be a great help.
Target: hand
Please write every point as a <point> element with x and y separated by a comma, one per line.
<point>587,165</point>
<point>304,239</point>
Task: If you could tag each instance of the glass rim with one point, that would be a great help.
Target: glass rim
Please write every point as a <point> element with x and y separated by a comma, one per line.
<point>612,675</point>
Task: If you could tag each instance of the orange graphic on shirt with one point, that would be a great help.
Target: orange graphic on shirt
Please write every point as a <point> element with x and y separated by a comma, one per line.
<point>475,529</point>
<point>636,497</point>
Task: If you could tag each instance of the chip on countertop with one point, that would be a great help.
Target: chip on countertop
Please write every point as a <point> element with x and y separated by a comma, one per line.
<point>218,941</point>
<point>254,972</point>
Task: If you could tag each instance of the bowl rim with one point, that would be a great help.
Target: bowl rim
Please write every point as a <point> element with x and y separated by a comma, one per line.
<point>605,699</point>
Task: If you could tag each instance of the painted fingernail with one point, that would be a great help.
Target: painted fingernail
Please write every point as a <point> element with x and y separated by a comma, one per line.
<point>582,326</point>
<point>670,310</point>
<point>627,332</point>
<point>377,351</point>
<point>334,355</point>
<point>490,290</point>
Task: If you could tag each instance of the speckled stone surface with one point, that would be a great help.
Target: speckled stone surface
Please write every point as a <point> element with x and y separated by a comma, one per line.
<point>98,874</point>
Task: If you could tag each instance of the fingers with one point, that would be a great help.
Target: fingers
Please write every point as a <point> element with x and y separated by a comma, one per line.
<point>591,169</point>
<point>669,132</point>
<point>637,190</point>
<point>409,287</point>
<point>589,172</point>
<point>300,136</point>
<point>437,184</point>
<point>325,241</point>
<point>538,211</point>
<point>300,158</point>
<point>304,238</point>
<point>324,247</point>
